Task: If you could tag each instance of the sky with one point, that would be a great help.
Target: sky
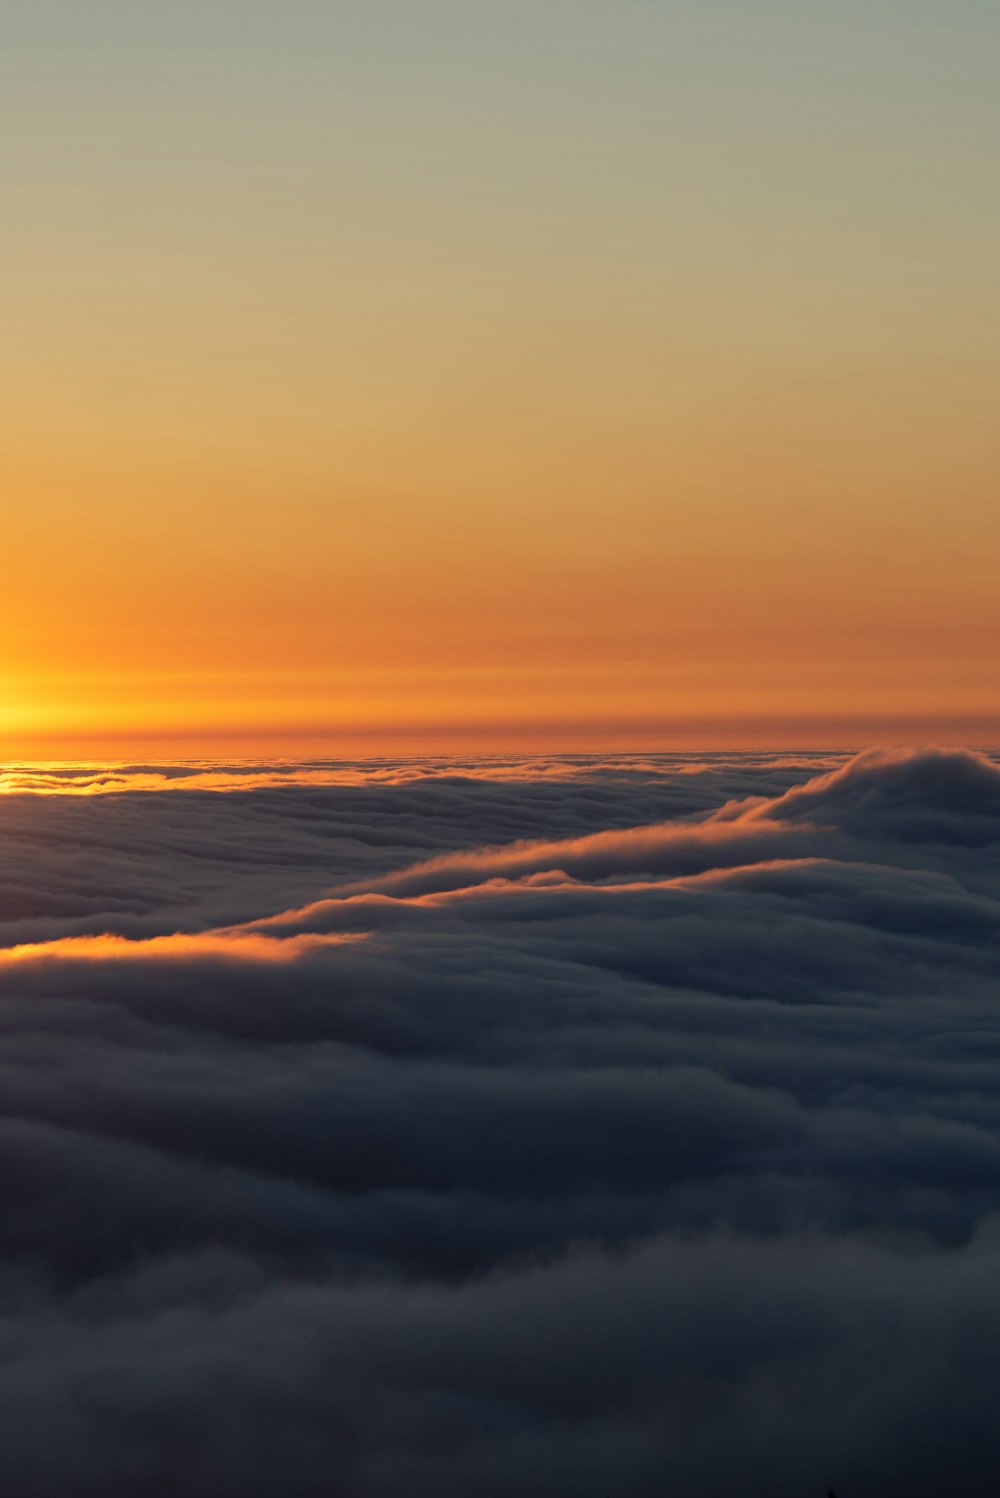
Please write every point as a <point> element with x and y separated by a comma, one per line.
<point>386,377</point>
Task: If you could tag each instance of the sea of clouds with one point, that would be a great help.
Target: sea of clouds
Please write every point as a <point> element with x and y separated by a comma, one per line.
<point>550,1128</point>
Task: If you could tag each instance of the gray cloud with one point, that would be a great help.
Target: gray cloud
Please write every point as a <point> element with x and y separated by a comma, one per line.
<point>645,1137</point>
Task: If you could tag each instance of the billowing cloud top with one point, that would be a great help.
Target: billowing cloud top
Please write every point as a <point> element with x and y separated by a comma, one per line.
<point>539,1128</point>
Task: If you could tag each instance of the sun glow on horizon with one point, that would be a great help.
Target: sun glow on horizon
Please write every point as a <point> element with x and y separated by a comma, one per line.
<point>347,404</point>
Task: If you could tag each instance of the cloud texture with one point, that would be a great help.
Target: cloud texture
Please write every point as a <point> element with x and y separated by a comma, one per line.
<point>535,1128</point>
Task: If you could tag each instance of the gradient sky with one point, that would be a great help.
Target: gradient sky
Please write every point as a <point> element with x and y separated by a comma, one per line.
<point>394,376</point>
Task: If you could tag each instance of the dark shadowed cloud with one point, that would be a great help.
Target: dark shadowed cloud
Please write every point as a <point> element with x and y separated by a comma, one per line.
<point>538,1129</point>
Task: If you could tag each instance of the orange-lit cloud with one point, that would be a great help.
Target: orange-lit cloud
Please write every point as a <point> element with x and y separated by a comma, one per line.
<point>228,946</point>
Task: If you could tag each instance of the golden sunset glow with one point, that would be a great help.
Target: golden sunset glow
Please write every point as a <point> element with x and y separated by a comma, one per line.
<point>499,748</point>
<point>630,384</point>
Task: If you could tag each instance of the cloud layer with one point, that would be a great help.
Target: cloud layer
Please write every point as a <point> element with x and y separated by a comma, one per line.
<point>563,1129</point>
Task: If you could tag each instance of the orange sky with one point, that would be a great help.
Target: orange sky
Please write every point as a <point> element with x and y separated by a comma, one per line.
<point>496,380</point>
